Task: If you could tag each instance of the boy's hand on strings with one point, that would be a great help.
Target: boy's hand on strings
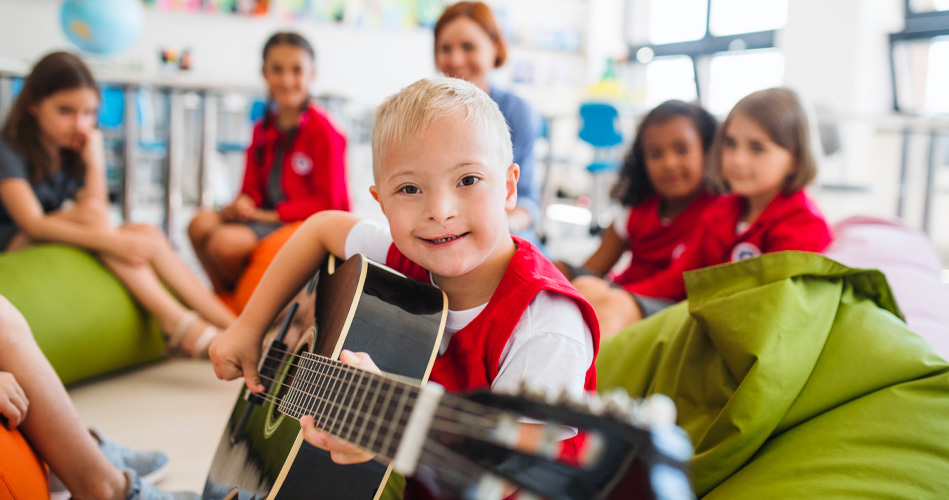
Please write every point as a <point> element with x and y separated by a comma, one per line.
<point>13,401</point>
<point>342,452</point>
<point>235,353</point>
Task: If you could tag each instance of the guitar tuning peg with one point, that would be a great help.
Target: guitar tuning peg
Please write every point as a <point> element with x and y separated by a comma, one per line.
<point>573,398</point>
<point>618,402</point>
<point>531,390</point>
<point>595,404</point>
<point>659,410</point>
<point>489,486</point>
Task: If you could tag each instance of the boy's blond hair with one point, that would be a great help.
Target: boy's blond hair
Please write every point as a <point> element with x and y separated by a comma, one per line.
<point>411,110</point>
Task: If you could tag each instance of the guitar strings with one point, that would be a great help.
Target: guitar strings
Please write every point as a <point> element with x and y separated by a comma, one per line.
<point>445,418</point>
<point>474,408</point>
<point>471,419</point>
<point>474,414</point>
<point>326,403</point>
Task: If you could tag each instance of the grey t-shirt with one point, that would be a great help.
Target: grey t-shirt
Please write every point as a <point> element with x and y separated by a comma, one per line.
<point>51,194</point>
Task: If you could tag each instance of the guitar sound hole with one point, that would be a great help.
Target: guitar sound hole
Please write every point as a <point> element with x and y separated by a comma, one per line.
<point>291,368</point>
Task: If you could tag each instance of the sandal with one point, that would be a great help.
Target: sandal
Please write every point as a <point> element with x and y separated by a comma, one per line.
<point>200,347</point>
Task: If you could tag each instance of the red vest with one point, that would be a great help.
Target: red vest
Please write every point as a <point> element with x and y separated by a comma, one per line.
<point>654,242</point>
<point>789,222</point>
<point>314,166</point>
<point>473,354</point>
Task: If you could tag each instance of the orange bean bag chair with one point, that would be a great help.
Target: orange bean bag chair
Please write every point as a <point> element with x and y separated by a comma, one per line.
<point>265,251</point>
<point>23,475</point>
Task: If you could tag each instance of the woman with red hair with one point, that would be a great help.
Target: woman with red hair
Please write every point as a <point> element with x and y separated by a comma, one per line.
<point>468,45</point>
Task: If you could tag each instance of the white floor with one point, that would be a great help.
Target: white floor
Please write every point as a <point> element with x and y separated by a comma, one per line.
<point>176,406</point>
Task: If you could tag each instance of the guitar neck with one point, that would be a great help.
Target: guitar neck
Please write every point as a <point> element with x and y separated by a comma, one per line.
<point>366,409</point>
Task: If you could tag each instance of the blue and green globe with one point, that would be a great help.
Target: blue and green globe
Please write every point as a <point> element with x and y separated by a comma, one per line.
<point>102,26</point>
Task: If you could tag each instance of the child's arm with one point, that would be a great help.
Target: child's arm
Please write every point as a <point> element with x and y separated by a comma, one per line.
<point>27,213</point>
<point>611,249</point>
<point>13,401</point>
<point>94,190</point>
<point>237,350</point>
<point>603,259</point>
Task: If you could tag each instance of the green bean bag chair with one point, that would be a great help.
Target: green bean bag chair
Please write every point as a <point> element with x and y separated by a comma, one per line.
<point>795,377</point>
<point>81,316</point>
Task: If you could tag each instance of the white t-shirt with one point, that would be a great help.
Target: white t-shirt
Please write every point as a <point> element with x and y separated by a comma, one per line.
<point>550,348</point>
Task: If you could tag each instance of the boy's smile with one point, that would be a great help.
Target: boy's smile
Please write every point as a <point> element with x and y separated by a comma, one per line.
<point>446,195</point>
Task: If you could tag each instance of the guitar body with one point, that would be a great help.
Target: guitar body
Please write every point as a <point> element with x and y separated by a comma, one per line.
<point>357,305</point>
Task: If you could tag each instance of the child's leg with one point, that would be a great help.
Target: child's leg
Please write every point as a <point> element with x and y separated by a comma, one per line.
<point>202,226</point>
<point>229,247</point>
<point>52,425</point>
<point>89,214</point>
<point>142,282</point>
<point>176,274</point>
<point>615,307</point>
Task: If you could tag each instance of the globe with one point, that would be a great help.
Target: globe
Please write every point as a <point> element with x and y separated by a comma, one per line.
<point>102,26</point>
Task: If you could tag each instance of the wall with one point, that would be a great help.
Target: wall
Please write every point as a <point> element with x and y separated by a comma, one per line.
<point>364,65</point>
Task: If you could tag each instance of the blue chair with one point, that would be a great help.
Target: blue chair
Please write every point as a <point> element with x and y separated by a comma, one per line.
<point>16,85</point>
<point>599,123</point>
<point>112,108</point>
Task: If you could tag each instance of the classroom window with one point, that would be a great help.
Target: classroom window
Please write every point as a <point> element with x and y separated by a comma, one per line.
<point>670,78</point>
<point>918,56</point>
<point>733,75</point>
<point>922,75</point>
<point>928,5</point>
<point>731,17</point>
<point>673,21</point>
<point>725,47</point>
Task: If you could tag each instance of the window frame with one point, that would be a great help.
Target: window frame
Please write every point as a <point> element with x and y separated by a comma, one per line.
<point>919,26</point>
<point>706,46</point>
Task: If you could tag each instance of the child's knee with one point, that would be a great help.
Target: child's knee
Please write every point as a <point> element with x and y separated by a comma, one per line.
<point>229,245</point>
<point>590,286</point>
<point>202,224</point>
<point>153,233</point>
<point>90,214</point>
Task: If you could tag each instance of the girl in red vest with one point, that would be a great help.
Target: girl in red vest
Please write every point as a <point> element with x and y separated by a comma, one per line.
<point>295,167</point>
<point>762,158</point>
<point>445,181</point>
<point>663,191</point>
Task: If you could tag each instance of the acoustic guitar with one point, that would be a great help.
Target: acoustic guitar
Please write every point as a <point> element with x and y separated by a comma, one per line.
<point>454,446</point>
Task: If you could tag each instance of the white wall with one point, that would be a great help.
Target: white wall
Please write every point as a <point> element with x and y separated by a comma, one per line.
<point>365,65</point>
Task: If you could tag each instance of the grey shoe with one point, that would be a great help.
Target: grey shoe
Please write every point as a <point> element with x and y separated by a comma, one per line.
<point>149,466</point>
<point>144,491</point>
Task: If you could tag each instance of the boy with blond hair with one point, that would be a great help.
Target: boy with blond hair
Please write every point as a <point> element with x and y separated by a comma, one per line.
<point>445,180</point>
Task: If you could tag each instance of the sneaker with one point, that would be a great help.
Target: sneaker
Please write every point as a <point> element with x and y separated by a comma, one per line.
<point>149,466</point>
<point>144,491</point>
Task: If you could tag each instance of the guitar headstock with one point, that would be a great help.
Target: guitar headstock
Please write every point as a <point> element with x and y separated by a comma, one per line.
<point>626,448</point>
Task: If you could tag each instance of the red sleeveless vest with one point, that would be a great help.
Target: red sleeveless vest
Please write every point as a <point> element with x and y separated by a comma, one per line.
<point>473,354</point>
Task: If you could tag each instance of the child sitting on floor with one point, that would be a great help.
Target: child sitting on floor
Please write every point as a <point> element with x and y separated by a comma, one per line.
<point>444,178</point>
<point>33,400</point>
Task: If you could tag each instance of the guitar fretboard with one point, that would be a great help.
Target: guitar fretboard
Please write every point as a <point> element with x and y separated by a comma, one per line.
<point>363,408</point>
